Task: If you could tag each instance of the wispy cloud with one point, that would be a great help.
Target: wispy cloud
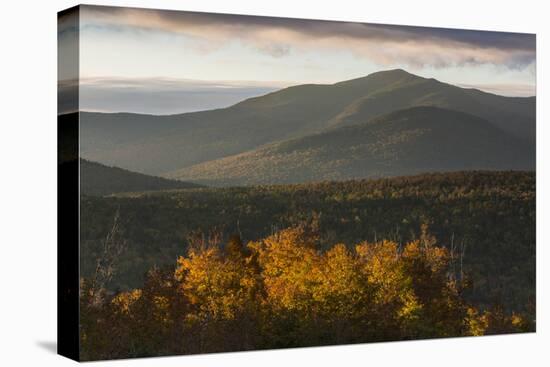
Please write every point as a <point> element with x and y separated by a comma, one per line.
<point>383,44</point>
<point>165,95</point>
<point>509,90</point>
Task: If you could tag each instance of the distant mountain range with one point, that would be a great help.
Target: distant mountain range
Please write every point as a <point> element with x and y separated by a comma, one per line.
<point>385,124</point>
<point>98,180</point>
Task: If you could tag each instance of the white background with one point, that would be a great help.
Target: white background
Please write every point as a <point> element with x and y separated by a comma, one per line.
<point>28,183</point>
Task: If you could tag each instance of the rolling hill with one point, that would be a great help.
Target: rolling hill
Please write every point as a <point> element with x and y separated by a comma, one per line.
<point>162,144</point>
<point>409,141</point>
<point>98,180</point>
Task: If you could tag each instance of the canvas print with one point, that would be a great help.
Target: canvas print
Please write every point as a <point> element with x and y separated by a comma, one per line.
<point>235,183</point>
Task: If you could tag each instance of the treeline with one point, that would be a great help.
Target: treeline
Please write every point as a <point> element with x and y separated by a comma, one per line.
<point>489,216</point>
<point>285,291</point>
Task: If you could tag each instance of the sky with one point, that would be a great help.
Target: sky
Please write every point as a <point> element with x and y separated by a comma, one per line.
<point>163,62</point>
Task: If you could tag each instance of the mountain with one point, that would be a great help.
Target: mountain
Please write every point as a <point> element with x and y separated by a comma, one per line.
<point>511,114</point>
<point>161,144</point>
<point>409,141</point>
<point>98,180</point>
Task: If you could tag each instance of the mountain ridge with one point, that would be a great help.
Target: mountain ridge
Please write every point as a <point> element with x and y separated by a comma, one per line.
<point>159,145</point>
<point>399,143</point>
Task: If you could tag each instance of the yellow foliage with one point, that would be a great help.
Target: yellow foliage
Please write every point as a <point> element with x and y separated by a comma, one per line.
<point>219,287</point>
<point>161,305</point>
<point>285,290</point>
<point>437,258</point>
<point>517,321</point>
<point>383,265</point>
<point>341,289</point>
<point>477,324</point>
<point>288,261</point>
<point>124,301</point>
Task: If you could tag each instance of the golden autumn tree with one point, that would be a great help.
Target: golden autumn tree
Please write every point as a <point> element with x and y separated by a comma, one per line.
<point>343,297</point>
<point>222,290</point>
<point>288,261</point>
<point>442,310</point>
<point>395,302</point>
<point>416,297</point>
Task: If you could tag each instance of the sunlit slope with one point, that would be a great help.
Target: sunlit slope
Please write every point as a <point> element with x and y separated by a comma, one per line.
<point>414,140</point>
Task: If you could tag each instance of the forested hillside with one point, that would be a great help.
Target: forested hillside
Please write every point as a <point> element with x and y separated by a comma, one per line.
<point>98,179</point>
<point>486,217</point>
<point>410,141</point>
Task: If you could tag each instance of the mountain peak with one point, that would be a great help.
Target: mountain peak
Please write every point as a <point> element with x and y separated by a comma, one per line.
<point>393,74</point>
<point>384,76</point>
<point>397,71</point>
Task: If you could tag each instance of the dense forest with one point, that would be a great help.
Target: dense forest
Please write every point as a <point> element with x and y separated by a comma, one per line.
<point>487,216</point>
<point>284,291</point>
<point>220,269</point>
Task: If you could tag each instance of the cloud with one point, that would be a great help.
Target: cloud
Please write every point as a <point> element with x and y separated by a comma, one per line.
<point>510,90</point>
<point>164,95</point>
<point>383,44</point>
